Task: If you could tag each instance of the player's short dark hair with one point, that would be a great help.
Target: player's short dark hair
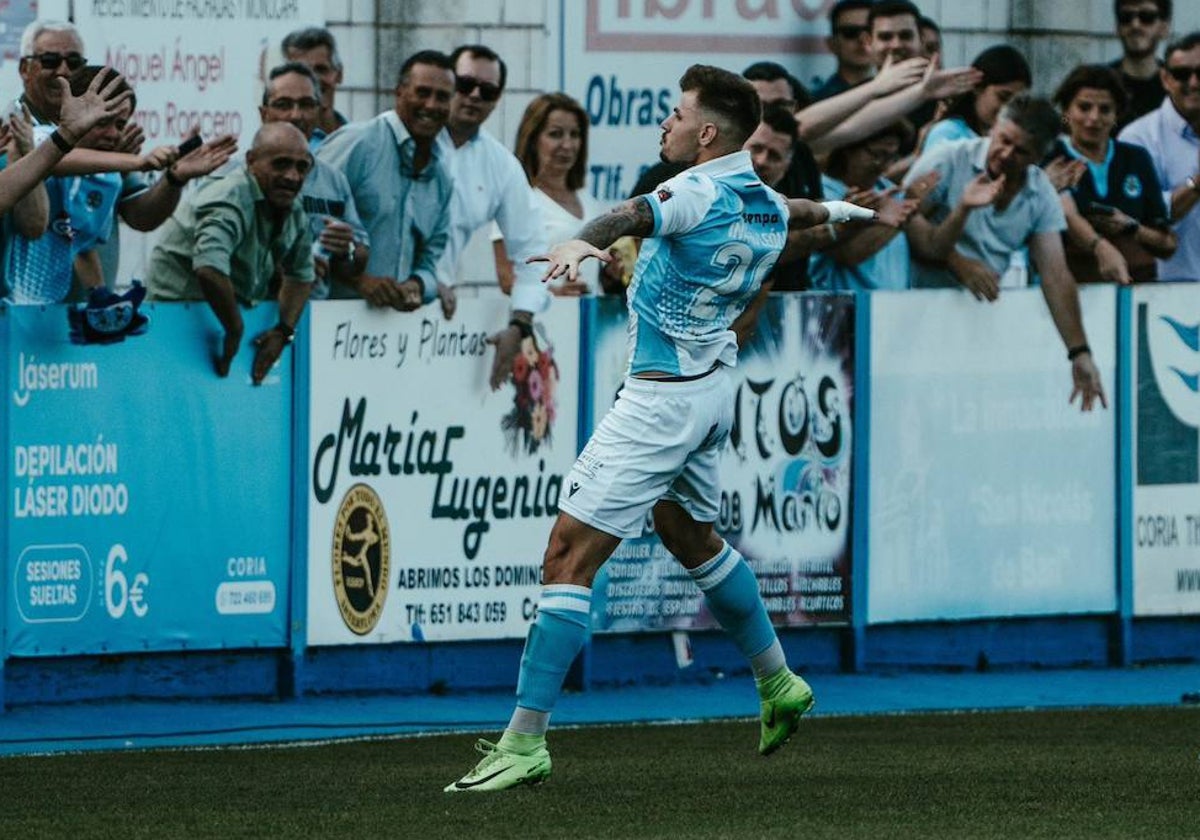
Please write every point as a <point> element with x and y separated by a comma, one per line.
<point>480,51</point>
<point>434,58</point>
<point>1036,116</point>
<point>287,68</point>
<point>1184,44</point>
<point>842,6</point>
<point>309,38</point>
<point>892,8</point>
<point>1164,7</point>
<point>82,77</point>
<point>770,71</point>
<point>727,95</point>
<point>1097,76</point>
<point>780,118</point>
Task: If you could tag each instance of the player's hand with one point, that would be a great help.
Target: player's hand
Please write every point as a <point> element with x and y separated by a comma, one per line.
<point>844,211</point>
<point>448,298</point>
<point>269,346</point>
<point>507,343</point>
<point>565,258</point>
<point>981,191</point>
<point>977,278</point>
<point>79,114</point>
<point>229,349</point>
<point>1086,379</point>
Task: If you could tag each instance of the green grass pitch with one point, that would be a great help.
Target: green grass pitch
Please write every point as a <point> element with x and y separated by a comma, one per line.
<point>1117,773</point>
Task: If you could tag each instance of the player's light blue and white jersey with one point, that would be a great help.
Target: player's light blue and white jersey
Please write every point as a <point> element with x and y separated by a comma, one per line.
<point>718,231</point>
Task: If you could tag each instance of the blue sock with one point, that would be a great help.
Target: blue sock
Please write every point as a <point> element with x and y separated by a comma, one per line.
<point>554,640</point>
<point>731,591</point>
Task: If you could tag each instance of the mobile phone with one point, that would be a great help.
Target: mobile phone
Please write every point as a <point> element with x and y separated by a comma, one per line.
<point>190,145</point>
<point>1100,209</point>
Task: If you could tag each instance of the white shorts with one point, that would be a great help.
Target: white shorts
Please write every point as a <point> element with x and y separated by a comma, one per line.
<point>661,440</point>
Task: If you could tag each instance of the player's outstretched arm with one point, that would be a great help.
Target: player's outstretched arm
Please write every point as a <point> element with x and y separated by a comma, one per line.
<point>631,218</point>
<point>805,213</point>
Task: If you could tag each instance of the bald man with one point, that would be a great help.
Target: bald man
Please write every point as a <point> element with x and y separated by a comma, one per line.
<point>221,246</point>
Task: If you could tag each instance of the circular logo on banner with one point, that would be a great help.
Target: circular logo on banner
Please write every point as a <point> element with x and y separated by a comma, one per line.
<point>362,551</point>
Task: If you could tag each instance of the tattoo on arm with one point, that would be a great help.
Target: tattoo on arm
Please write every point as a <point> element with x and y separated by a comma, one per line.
<point>631,218</point>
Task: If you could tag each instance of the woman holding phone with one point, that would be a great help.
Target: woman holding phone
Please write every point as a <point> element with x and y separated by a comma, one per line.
<point>1117,222</point>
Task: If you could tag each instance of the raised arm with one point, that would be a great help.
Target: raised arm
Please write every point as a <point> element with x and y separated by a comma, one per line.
<point>630,218</point>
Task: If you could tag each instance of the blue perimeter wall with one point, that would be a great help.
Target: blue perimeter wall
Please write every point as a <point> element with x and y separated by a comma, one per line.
<point>272,671</point>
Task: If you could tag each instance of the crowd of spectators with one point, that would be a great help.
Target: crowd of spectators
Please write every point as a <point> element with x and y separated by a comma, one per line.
<point>977,182</point>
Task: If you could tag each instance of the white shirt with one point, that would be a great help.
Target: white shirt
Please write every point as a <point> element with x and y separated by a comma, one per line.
<point>1174,147</point>
<point>490,185</point>
<point>559,226</point>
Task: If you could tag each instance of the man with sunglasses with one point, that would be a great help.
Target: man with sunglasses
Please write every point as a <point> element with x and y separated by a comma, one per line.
<point>1171,133</point>
<point>850,42</point>
<point>490,186</point>
<point>50,51</point>
<point>1141,25</point>
<point>397,172</point>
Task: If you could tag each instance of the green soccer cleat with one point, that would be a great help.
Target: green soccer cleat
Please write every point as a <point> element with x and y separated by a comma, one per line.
<point>782,709</point>
<point>501,769</point>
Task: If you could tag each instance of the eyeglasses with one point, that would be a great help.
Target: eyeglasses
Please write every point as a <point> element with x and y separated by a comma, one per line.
<point>1182,74</point>
<point>52,60</point>
<point>488,92</point>
<point>852,33</point>
<point>1144,18</point>
<point>289,104</point>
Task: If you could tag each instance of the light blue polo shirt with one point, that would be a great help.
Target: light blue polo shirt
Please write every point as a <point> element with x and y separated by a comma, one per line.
<point>989,236</point>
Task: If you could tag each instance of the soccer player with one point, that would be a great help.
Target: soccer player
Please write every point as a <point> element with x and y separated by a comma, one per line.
<point>711,234</point>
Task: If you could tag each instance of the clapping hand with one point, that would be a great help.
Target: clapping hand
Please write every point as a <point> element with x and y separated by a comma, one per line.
<point>100,101</point>
<point>565,258</point>
<point>1064,173</point>
<point>981,191</point>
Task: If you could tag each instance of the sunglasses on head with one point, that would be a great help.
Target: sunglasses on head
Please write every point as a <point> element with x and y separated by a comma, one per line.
<point>52,60</point>
<point>1145,18</point>
<point>1182,74</point>
<point>850,33</point>
<point>488,92</point>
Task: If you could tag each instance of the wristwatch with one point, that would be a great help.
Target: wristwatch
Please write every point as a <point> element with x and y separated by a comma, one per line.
<point>288,333</point>
<point>1192,183</point>
<point>349,255</point>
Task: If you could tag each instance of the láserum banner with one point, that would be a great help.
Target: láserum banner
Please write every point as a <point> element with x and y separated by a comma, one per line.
<point>1166,449</point>
<point>785,475</point>
<point>990,494</point>
<point>430,495</point>
<point>126,530</point>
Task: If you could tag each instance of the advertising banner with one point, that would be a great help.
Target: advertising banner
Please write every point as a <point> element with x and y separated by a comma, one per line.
<point>622,61</point>
<point>1166,449</point>
<point>990,495</point>
<point>430,495</point>
<point>148,500</point>
<point>786,475</point>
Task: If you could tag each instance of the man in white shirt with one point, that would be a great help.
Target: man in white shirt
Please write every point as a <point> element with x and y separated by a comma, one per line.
<point>490,185</point>
<point>1171,134</point>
